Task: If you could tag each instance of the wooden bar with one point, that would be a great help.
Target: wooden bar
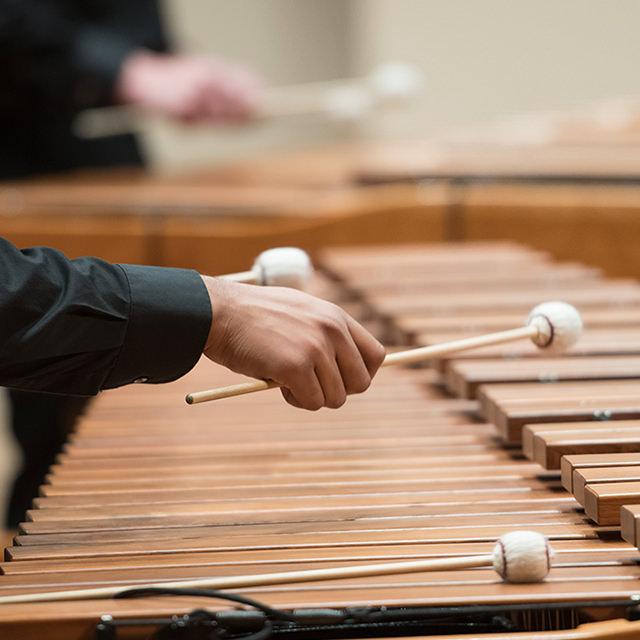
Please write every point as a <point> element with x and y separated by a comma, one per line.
<point>586,477</point>
<point>594,461</point>
<point>511,406</point>
<point>629,515</point>
<point>550,447</point>
<point>531,431</point>
<point>602,502</point>
<point>463,377</point>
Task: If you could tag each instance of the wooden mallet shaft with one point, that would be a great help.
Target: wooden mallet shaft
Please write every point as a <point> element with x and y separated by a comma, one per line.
<point>518,556</point>
<point>339,99</point>
<point>247,277</point>
<point>264,579</point>
<point>411,356</point>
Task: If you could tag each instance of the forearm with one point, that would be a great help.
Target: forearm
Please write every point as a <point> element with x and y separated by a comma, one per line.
<point>79,326</point>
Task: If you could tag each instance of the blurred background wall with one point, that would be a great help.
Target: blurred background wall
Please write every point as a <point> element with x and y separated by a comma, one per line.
<point>483,60</point>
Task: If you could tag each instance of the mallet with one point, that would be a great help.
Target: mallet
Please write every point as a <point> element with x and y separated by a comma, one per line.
<point>552,326</point>
<point>279,267</point>
<point>347,99</point>
<point>518,556</point>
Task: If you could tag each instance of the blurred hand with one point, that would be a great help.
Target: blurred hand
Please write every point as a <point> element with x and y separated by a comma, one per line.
<point>189,88</point>
<point>312,348</point>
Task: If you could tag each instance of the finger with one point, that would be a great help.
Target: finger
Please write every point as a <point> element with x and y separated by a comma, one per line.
<point>214,103</point>
<point>243,96</point>
<point>238,104</point>
<point>218,106</point>
<point>306,391</point>
<point>355,375</point>
<point>192,107</point>
<point>370,349</point>
<point>235,90</point>
<point>290,398</point>
<point>330,378</point>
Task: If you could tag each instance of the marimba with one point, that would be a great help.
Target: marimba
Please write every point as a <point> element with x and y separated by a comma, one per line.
<point>151,490</point>
<point>360,193</point>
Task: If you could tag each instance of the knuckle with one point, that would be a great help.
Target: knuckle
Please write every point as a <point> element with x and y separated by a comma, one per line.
<point>285,370</point>
<point>313,404</point>
<point>378,354</point>
<point>361,384</point>
<point>333,317</point>
<point>313,348</point>
<point>332,326</point>
<point>193,95</point>
<point>336,402</point>
<point>203,81</point>
<point>294,366</point>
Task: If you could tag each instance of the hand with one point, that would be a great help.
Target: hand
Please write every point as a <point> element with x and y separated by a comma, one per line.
<point>189,88</point>
<point>312,348</point>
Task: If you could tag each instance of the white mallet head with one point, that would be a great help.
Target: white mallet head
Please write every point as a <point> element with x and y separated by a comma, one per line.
<point>559,326</point>
<point>522,556</point>
<point>283,267</point>
<point>396,81</point>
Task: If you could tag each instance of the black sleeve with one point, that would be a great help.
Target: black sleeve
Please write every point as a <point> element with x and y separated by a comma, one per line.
<point>78,326</point>
<point>69,54</point>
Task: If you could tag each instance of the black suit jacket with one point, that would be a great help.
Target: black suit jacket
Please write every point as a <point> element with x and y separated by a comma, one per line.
<point>78,326</point>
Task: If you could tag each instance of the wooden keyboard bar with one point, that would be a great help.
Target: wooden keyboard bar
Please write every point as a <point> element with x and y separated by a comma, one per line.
<point>511,406</point>
<point>463,377</point>
<point>531,431</point>
<point>594,461</point>
<point>630,524</point>
<point>602,502</point>
<point>587,477</point>
<point>624,293</point>
<point>549,447</point>
<point>486,278</point>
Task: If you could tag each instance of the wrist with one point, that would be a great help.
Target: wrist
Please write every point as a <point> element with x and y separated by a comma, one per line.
<point>220,298</point>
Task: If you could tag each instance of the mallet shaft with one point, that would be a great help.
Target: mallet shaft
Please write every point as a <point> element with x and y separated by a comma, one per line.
<point>420,354</point>
<point>247,277</point>
<point>276,102</point>
<point>286,577</point>
<point>229,392</point>
<point>411,356</point>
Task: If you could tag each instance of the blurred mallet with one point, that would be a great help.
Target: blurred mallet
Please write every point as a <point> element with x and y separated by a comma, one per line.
<point>518,556</point>
<point>551,326</point>
<point>391,84</point>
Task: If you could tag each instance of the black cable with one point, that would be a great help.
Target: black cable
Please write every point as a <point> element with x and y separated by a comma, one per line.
<point>200,619</point>
<point>275,614</point>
